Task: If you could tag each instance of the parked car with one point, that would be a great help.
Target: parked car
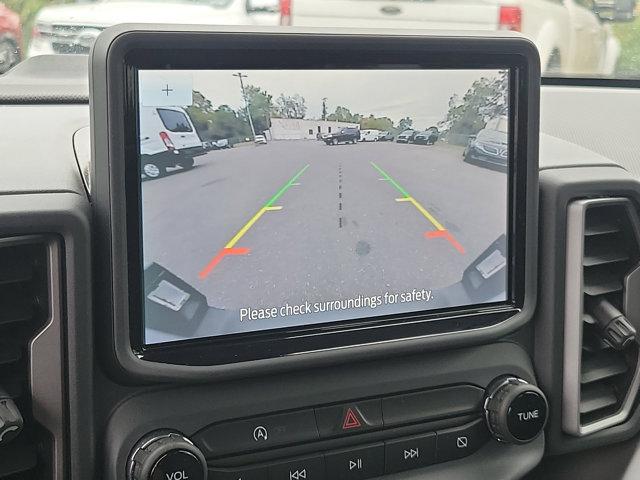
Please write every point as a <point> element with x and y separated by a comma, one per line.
<point>385,137</point>
<point>344,135</point>
<point>10,38</point>
<point>222,143</point>
<point>168,138</point>
<point>490,146</point>
<point>260,140</point>
<point>428,137</point>
<point>615,10</point>
<point>571,38</point>
<point>406,136</point>
<point>369,135</point>
<point>72,28</point>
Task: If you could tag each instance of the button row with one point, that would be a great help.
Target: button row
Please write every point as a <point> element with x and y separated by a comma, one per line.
<point>236,437</point>
<point>372,460</point>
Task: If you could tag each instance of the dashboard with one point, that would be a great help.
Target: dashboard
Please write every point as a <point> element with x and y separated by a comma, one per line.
<point>313,302</point>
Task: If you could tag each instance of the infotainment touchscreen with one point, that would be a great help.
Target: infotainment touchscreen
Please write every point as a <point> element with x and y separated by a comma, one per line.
<point>275,199</point>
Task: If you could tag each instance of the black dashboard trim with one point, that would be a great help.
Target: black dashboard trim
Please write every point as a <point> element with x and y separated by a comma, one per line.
<point>592,82</point>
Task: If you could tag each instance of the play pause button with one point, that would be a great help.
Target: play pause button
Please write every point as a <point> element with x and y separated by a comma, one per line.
<point>356,463</point>
<point>409,453</point>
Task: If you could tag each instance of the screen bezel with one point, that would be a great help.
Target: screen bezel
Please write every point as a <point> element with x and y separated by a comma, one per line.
<point>265,51</point>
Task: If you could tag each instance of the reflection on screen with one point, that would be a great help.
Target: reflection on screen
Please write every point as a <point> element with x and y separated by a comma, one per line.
<point>275,199</point>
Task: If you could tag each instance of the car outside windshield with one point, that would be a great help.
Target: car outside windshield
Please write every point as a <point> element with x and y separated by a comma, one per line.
<point>575,38</point>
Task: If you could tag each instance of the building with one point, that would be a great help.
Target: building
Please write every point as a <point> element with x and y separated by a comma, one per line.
<point>295,129</point>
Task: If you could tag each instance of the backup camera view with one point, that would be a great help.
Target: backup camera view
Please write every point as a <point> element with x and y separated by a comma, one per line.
<point>276,199</point>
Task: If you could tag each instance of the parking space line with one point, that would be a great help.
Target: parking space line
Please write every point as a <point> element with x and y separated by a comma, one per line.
<point>245,228</point>
<point>426,214</point>
<point>218,258</point>
<point>441,231</point>
<point>267,207</point>
<point>447,236</point>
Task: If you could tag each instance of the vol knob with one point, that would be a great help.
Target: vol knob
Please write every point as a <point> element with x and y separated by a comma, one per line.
<point>516,411</point>
<point>166,455</point>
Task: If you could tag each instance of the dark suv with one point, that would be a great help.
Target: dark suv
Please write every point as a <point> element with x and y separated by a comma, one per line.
<point>428,137</point>
<point>345,135</point>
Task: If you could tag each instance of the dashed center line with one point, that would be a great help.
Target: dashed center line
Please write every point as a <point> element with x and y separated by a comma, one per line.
<point>341,221</point>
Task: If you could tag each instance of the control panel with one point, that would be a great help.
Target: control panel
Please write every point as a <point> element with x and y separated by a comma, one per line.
<point>351,440</point>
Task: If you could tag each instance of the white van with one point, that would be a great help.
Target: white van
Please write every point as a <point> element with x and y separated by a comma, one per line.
<point>168,138</point>
<point>369,135</point>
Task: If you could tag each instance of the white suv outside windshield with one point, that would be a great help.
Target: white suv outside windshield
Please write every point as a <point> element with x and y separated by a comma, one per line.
<point>576,38</point>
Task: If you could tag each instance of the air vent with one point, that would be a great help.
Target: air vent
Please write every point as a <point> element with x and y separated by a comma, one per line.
<point>23,312</point>
<point>601,371</point>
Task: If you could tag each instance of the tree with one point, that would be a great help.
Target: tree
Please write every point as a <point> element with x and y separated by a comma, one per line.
<point>324,108</point>
<point>377,123</point>
<point>405,123</point>
<point>260,105</point>
<point>343,114</point>
<point>225,123</point>
<point>200,113</point>
<point>487,98</point>
<point>216,123</point>
<point>291,106</point>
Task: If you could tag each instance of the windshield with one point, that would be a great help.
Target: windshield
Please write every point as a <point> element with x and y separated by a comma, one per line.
<point>500,124</point>
<point>575,38</point>
<point>174,120</point>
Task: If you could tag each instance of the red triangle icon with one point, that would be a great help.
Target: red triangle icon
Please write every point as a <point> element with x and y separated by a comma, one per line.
<point>351,420</point>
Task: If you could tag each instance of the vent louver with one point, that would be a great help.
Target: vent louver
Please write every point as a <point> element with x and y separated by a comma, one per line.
<point>23,312</point>
<point>600,374</point>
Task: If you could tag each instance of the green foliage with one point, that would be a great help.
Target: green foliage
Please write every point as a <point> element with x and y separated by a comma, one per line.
<point>343,114</point>
<point>216,123</point>
<point>371,122</point>
<point>290,106</point>
<point>260,106</point>
<point>225,122</point>
<point>629,35</point>
<point>487,98</point>
<point>405,123</point>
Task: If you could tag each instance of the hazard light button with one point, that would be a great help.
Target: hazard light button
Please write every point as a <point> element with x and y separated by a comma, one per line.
<point>349,418</point>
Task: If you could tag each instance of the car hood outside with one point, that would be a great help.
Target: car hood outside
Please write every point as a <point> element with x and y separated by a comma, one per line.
<point>493,137</point>
<point>105,14</point>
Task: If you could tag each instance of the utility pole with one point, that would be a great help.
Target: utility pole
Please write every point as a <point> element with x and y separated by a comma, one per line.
<point>324,108</point>
<point>246,102</point>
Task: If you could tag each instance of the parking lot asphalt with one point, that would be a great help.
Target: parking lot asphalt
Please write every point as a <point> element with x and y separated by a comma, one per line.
<point>296,221</point>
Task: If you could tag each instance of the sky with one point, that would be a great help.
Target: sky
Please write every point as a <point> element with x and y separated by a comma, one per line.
<point>422,95</point>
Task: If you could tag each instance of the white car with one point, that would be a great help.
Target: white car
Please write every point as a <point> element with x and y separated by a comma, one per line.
<point>223,143</point>
<point>72,28</point>
<point>571,38</point>
<point>168,138</point>
<point>260,140</point>
<point>369,135</point>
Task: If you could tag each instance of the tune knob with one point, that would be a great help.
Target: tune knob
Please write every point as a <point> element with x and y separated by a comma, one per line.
<point>166,455</point>
<point>516,411</point>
